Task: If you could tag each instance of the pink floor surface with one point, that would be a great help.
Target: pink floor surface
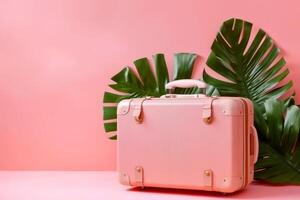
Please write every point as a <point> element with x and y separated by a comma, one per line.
<point>81,185</point>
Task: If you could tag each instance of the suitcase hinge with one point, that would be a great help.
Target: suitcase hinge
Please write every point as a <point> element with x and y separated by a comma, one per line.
<point>207,110</point>
<point>208,179</point>
<point>138,110</point>
<point>139,176</point>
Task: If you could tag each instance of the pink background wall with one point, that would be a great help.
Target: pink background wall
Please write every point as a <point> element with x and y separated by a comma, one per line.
<point>56,58</point>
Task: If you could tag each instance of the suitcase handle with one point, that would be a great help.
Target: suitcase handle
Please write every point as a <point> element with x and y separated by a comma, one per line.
<point>185,83</point>
<point>255,143</point>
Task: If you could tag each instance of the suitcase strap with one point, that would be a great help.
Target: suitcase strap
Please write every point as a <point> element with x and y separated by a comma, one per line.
<point>138,109</point>
<point>207,110</point>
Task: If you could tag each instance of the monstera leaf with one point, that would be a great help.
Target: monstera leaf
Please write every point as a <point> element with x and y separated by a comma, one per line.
<point>252,72</point>
<point>130,85</point>
<point>279,157</point>
<point>254,69</point>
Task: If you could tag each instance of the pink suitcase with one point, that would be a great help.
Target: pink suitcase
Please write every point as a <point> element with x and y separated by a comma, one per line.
<point>187,141</point>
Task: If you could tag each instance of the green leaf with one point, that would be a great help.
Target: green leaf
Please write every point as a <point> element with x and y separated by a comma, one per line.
<point>109,112</point>
<point>279,153</point>
<point>110,127</point>
<point>260,122</point>
<point>255,69</point>
<point>290,100</point>
<point>225,88</point>
<point>274,119</point>
<point>183,69</point>
<point>277,168</point>
<point>144,69</point>
<point>113,137</point>
<point>162,73</point>
<point>248,72</point>
<point>291,128</point>
<point>127,76</point>
<point>183,65</point>
<point>212,91</point>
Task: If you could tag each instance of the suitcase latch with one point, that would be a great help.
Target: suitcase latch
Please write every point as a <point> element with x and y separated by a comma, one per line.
<point>139,176</point>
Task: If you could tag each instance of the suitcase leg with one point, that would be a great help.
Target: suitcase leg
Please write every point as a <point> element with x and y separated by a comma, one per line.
<point>208,179</point>
<point>139,176</point>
